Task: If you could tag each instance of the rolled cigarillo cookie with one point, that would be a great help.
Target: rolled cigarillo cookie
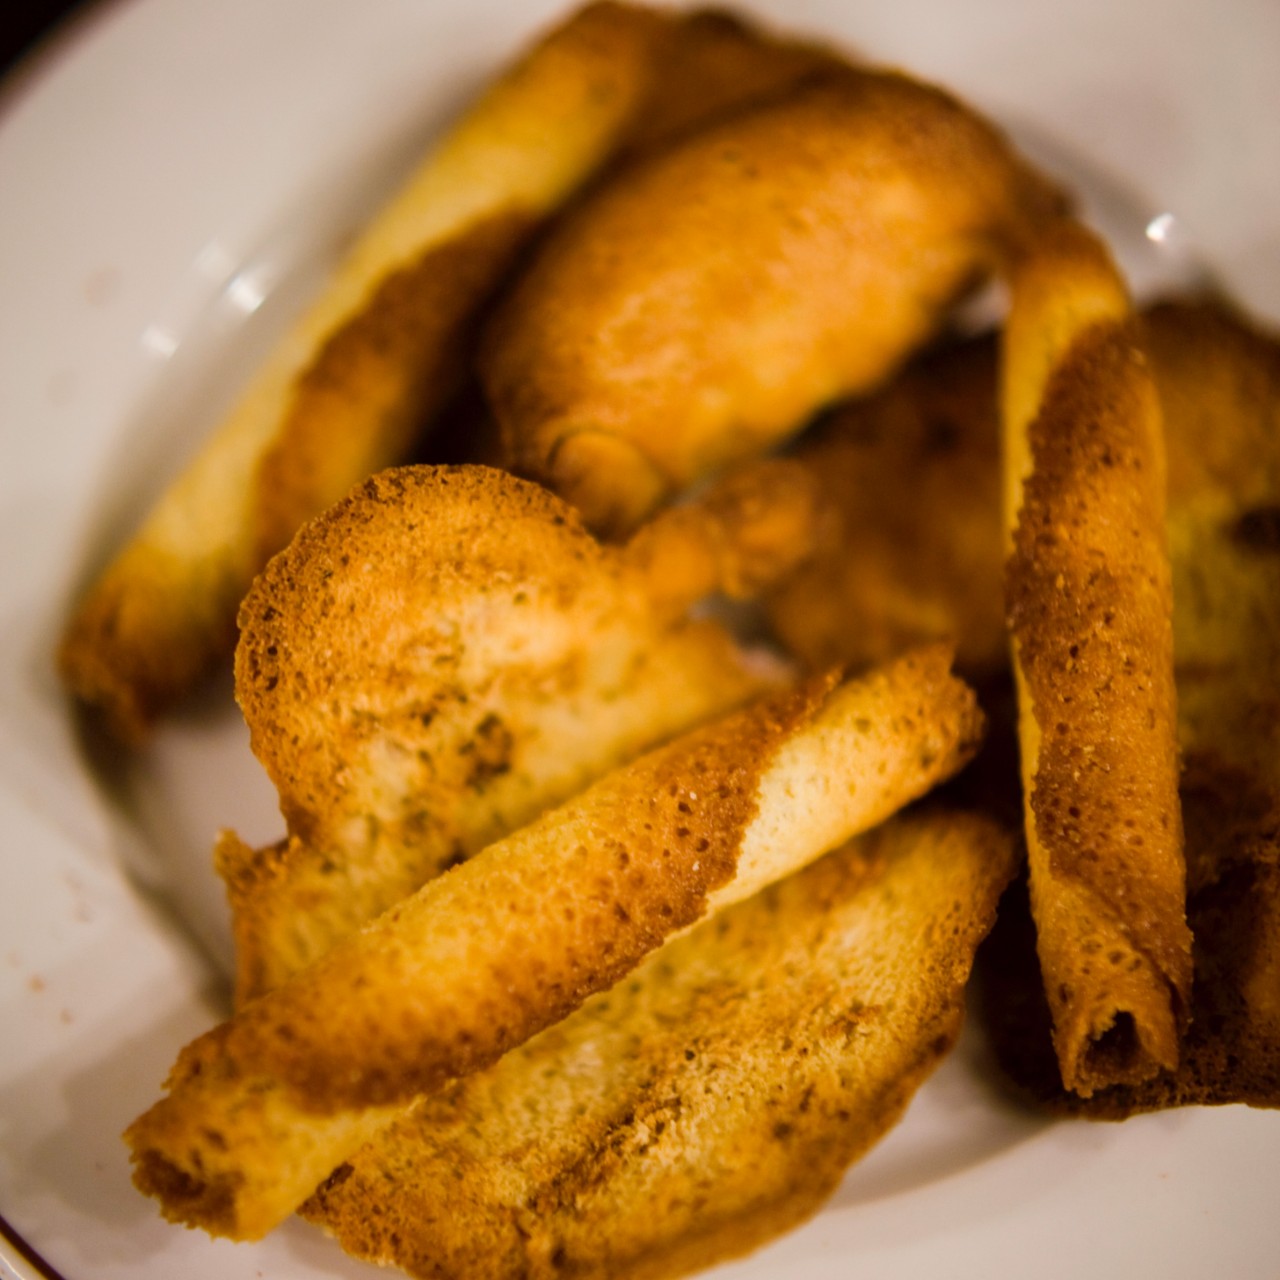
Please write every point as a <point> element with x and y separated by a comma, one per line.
<point>1218,377</point>
<point>1090,611</point>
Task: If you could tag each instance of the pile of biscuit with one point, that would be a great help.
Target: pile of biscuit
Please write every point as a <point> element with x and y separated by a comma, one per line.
<point>623,559</point>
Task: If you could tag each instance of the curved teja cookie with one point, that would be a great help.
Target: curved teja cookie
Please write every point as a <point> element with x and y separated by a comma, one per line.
<point>446,653</point>
<point>1089,601</point>
<point>703,303</point>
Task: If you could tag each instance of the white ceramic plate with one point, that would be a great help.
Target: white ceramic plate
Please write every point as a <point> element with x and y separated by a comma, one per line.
<point>174,175</point>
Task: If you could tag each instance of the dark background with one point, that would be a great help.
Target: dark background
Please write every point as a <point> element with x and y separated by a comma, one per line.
<point>26,23</point>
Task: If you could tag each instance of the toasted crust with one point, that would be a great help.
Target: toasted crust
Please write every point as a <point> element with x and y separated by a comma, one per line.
<point>702,304</point>
<point>914,547</point>
<point>1090,613</point>
<point>740,536</point>
<point>380,377</point>
<point>445,654</point>
<point>709,1101</point>
<point>377,354</point>
<point>263,1107</point>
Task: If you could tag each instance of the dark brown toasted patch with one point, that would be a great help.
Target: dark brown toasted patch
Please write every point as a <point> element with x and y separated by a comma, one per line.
<point>912,477</point>
<point>1258,529</point>
<point>183,1197</point>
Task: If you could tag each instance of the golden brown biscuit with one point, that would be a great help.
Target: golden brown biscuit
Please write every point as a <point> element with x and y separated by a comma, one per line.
<point>1088,588</point>
<point>262,1108</point>
<point>709,1101</point>
<point>446,653</point>
<point>703,303</point>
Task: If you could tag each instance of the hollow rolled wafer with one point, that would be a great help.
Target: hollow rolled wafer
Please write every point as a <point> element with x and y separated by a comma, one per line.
<point>262,1108</point>
<point>709,1101</point>
<point>1219,381</point>
<point>447,652</point>
<point>1088,592</point>
<point>703,304</point>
